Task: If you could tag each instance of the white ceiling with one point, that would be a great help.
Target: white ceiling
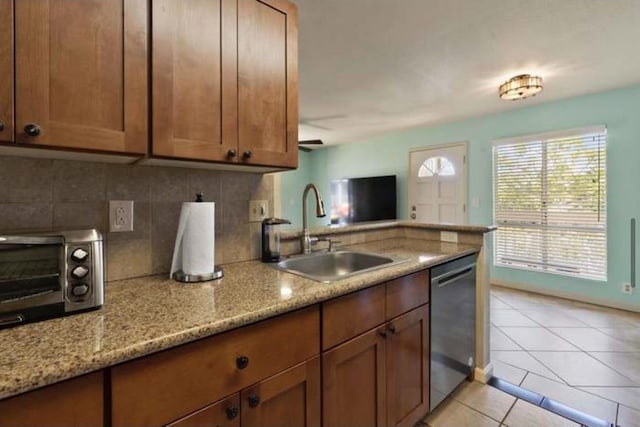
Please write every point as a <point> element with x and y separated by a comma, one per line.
<point>373,66</point>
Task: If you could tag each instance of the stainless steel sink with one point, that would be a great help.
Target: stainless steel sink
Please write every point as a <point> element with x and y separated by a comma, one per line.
<point>330,266</point>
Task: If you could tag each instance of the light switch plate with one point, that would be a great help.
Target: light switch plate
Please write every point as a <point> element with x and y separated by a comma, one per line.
<point>449,236</point>
<point>258,210</point>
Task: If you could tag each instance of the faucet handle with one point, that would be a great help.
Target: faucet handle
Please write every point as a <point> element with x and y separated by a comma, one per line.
<point>332,245</point>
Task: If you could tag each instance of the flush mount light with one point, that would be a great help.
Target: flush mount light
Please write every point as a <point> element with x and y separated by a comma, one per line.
<point>521,87</point>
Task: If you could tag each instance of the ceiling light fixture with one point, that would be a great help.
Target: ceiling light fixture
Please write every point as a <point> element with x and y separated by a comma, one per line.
<point>521,87</point>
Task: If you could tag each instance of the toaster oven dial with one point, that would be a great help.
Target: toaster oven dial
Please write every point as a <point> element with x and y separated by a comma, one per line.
<point>79,255</point>
<point>79,290</point>
<point>79,272</point>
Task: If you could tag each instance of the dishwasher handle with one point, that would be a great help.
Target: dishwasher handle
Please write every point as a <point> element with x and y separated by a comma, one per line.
<point>452,276</point>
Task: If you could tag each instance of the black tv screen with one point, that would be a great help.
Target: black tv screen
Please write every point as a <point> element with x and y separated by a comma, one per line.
<point>363,199</point>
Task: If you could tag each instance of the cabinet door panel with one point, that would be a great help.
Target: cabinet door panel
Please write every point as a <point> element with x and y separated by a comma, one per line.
<point>194,78</point>
<point>78,402</point>
<point>221,414</point>
<point>408,368</point>
<point>291,398</point>
<point>353,389</point>
<point>81,73</point>
<point>267,82</point>
<point>6,70</point>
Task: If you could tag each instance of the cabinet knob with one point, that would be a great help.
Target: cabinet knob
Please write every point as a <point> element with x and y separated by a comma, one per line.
<point>1,125</point>
<point>392,329</point>
<point>242,362</point>
<point>383,334</point>
<point>32,129</point>
<point>232,412</point>
<point>254,400</point>
<point>246,154</point>
<point>231,153</point>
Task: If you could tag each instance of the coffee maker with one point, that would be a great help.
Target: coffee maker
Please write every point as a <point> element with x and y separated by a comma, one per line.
<point>271,238</point>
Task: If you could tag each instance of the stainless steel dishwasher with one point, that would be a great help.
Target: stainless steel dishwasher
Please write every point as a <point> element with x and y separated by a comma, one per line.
<point>453,325</point>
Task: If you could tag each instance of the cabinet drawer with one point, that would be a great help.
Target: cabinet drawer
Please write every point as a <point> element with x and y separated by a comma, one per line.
<point>160,388</point>
<point>350,315</point>
<point>406,293</point>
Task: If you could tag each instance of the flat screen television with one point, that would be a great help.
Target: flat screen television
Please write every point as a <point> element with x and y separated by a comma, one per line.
<point>363,199</point>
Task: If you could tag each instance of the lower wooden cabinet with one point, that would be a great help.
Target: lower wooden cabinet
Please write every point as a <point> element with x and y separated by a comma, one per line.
<point>407,364</point>
<point>380,378</point>
<point>353,386</point>
<point>225,413</point>
<point>78,402</point>
<point>291,398</point>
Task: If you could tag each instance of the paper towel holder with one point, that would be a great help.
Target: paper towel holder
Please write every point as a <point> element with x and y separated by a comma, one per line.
<point>181,276</point>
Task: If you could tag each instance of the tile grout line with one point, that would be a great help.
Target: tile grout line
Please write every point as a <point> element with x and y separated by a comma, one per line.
<point>509,411</point>
<point>477,410</point>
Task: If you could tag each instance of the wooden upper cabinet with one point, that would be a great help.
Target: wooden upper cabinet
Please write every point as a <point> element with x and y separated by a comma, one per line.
<point>194,70</point>
<point>81,74</point>
<point>268,82</point>
<point>6,70</point>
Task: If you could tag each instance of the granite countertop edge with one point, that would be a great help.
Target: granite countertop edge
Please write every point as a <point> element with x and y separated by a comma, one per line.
<point>51,371</point>
<point>383,225</point>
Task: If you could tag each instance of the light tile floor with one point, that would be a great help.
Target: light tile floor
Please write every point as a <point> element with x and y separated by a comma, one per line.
<point>478,405</point>
<point>584,356</point>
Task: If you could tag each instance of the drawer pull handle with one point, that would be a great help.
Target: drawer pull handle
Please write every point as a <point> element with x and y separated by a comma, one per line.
<point>242,362</point>
<point>32,129</point>
<point>254,400</point>
<point>232,412</point>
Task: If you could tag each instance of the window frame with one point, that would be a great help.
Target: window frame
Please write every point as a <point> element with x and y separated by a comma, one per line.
<point>546,137</point>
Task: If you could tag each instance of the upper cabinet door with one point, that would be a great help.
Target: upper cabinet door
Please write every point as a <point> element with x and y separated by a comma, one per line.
<point>6,70</point>
<point>81,74</point>
<point>268,82</point>
<point>194,71</point>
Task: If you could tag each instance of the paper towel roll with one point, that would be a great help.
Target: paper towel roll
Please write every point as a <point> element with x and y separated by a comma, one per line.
<point>194,252</point>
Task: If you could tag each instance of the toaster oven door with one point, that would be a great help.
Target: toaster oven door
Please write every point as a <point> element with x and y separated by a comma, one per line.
<point>31,281</point>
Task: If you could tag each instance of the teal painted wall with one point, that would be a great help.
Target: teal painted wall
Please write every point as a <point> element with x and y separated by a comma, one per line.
<point>618,109</point>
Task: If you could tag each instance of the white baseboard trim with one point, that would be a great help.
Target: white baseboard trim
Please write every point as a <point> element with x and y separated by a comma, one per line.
<point>568,295</point>
<point>483,375</point>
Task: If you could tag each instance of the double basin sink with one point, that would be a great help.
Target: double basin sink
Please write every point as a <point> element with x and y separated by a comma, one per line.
<point>331,266</point>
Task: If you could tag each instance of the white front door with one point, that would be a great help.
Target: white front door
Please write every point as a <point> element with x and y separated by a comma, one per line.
<point>438,185</point>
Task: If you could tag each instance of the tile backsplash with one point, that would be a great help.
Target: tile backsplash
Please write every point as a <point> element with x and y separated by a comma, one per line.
<point>38,194</point>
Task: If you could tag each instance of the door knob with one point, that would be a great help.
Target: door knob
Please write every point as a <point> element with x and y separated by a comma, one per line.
<point>32,129</point>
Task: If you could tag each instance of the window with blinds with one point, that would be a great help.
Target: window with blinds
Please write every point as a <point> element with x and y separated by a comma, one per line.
<point>550,203</point>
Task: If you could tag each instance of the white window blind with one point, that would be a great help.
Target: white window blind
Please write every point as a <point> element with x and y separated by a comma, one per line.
<point>550,203</point>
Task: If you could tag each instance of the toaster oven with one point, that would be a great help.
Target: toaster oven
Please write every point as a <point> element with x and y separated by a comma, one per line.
<point>50,275</point>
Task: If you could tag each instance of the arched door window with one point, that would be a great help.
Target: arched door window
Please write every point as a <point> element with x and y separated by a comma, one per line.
<point>436,166</point>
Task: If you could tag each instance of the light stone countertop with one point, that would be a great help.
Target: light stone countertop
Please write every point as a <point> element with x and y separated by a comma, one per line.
<point>149,314</point>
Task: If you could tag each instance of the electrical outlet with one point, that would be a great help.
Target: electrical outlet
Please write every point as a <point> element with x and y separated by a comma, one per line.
<point>120,215</point>
<point>626,288</point>
<point>258,210</point>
